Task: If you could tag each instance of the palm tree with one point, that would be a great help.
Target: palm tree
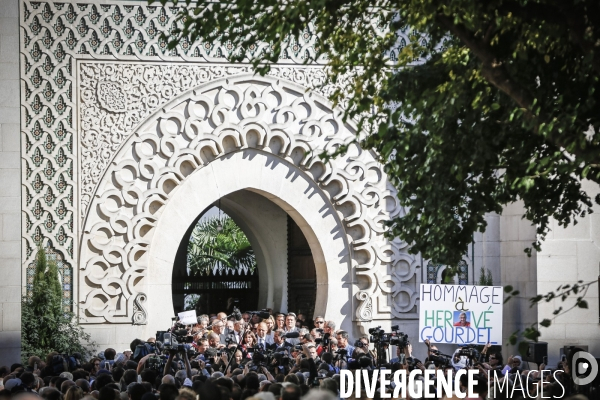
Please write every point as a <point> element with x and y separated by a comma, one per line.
<point>217,244</point>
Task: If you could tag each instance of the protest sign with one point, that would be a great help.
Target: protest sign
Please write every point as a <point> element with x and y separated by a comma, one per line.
<point>188,317</point>
<point>461,314</point>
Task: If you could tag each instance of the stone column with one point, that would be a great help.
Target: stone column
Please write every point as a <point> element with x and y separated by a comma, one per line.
<point>10,186</point>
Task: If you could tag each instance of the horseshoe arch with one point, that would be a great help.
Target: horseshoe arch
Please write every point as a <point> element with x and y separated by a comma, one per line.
<point>245,132</point>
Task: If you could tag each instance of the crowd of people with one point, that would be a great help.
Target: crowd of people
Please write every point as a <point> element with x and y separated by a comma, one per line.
<point>266,356</point>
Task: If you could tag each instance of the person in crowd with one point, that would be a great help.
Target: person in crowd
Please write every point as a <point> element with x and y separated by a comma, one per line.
<point>330,328</point>
<point>246,317</point>
<point>214,341</point>
<point>290,327</point>
<point>319,322</point>
<point>282,367</point>
<point>280,321</point>
<point>342,339</point>
<point>279,342</point>
<point>261,336</point>
<point>248,343</point>
<point>218,328</point>
<point>238,329</point>
<point>270,327</point>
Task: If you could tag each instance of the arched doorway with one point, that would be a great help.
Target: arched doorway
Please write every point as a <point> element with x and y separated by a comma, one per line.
<point>215,266</point>
<point>245,133</point>
<point>281,251</point>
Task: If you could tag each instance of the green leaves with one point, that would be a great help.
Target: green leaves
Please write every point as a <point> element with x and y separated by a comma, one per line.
<point>490,96</point>
<point>46,326</point>
<point>545,323</point>
<point>218,243</point>
<point>509,289</point>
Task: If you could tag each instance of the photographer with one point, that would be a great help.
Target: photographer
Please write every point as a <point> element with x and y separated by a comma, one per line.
<point>186,363</point>
<point>221,359</point>
<point>201,345</point>
<point>236,362</point>
<point>327,365</point>
<point>365,344</point>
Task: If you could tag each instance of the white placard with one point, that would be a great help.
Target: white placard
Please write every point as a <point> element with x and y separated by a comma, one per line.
<point>188,317</point>
<point>461,314</point>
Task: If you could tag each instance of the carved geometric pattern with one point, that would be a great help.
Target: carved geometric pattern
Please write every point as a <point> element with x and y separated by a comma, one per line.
<point>109,112</point>
<point>434,269</point>
<point>55,39</point>
<point>217,118</point>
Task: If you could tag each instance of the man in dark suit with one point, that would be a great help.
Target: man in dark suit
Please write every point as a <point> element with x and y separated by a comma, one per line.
<point>279,342</point>
<point>218,328</point>
<point>290,326</point>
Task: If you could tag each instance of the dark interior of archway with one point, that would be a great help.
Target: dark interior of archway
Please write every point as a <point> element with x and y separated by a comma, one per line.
<point>216,291</point>
<point>213,292</point>
<point>302,276</point>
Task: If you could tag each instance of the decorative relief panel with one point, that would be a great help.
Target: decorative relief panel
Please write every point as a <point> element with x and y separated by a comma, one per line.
<point>88,54</point>
<point>228,115</point>
<point>116,97</point>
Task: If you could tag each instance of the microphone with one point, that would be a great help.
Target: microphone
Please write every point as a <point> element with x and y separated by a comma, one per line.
<point>291,335</point>
<point>237,314</point>
<point>262,314</point>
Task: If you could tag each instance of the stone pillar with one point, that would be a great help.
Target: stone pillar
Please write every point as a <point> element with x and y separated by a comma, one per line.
<point>10,186</point>
<point>486,251</point>
<point>517,270</point>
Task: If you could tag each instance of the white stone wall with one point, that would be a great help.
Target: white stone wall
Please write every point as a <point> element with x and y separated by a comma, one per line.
<point>517,269</point>
<point>486,250</point>
<point>500,249</point>
<point>10,186</point>
<point>569,255</point>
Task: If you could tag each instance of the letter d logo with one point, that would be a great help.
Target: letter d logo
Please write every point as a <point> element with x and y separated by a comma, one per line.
<point>588,367</point>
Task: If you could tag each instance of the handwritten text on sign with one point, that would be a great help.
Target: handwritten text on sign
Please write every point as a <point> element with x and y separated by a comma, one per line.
<point>461,314</point>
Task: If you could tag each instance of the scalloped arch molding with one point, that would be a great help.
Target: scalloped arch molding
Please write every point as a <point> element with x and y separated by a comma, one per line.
<point>243,132</point>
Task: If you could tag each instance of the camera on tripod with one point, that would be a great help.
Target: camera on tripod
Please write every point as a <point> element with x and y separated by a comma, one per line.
<point>174,341</point>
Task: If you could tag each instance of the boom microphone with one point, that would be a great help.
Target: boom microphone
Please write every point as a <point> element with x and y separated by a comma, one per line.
<point>237,314</point>
<point>262,314</point>
<point>291,335</point>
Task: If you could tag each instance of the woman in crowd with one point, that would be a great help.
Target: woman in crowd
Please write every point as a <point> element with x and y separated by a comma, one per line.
<point>249,341</point>
<point>280,321</point>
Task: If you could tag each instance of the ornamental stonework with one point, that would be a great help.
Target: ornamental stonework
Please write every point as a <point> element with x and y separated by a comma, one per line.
<point>93,72</point>
<point>116,97</point>
<point>225,115</point>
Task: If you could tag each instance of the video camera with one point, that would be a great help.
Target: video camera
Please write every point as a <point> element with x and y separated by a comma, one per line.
<point>175,339</point>
<point>469,351</point>
<point>394,338</point>
<point>141,349</point>
<point>156,363</point>
<point>282,358</point>
<point>439,359</point>
<point>324,340</point>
